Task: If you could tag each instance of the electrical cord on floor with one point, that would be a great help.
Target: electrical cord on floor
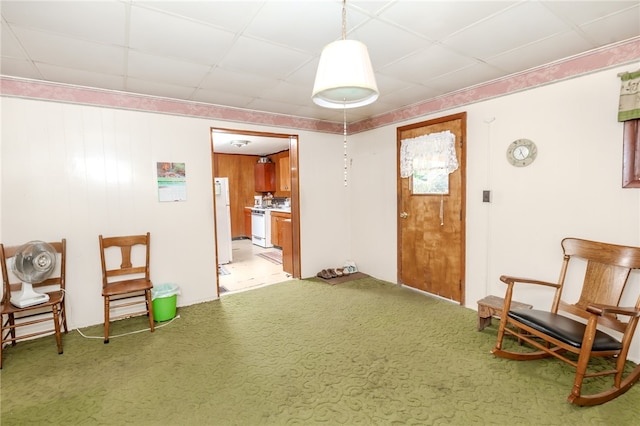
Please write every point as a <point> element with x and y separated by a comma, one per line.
<point>129,333</point>
<point>119,335</point>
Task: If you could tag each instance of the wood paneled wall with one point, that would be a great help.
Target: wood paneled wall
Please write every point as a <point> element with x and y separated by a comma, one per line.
<point>239,170</point>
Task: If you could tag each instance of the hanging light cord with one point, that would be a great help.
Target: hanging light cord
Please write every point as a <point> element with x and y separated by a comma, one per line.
<point>344,133</point>
<point>344,109</point>
<point>344,19</point>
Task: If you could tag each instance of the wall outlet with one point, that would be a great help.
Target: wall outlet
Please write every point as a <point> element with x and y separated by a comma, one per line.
<point>486,196</point>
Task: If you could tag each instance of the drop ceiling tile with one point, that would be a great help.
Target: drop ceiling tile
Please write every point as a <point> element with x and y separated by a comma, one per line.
<point>408,96</point>
<point>82,78</point>
<point>19,67</point>
<point>239,82</point>
<point>542,51</point>
<point>258,57</point>
<point>287,92</point>
<point>619,26</point>
<point>587,12</point>
<point>429,63</point>
<point>166,35</point>
<point>273,106</point>
<point>437,20</point>
<point>507,30</point>
<point>9,45</point>
<point>387,84</point>
<point>165,70</point>
<point>99,21</point>
<point>232,15</point>
<point>376,35</point>
<point>313,25</point>
<point>306,74</point>
<point>145,86</point>
<point>466,77</point>
<point>71,52</point>
<point>221,97</point>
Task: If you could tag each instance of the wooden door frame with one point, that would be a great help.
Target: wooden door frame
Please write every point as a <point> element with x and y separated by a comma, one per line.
<point>294,141</point>
<point>462,164</point>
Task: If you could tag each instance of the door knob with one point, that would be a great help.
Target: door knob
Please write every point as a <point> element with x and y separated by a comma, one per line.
<point>404,215</point>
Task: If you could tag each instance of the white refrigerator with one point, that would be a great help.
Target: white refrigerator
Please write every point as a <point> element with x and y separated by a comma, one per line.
<point>223,220</point>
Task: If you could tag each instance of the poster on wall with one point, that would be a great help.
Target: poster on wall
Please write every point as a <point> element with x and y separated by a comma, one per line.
<point>172,182</point>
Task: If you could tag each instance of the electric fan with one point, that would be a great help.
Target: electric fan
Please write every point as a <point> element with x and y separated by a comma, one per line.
<point>32,264</point>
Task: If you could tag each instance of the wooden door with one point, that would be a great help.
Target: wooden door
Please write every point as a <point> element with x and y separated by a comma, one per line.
<point>431,231</point>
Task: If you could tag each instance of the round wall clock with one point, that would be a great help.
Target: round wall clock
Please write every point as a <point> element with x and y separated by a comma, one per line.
<point>522,152</point>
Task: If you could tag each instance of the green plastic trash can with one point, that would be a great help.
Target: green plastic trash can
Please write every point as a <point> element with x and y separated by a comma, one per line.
<point>164,299</point>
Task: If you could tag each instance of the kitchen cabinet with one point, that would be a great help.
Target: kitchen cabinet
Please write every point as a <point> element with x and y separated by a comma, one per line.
<point>265,177</point>
<point>276,227</point>
<point>247,222</point>
<point>284,169</point>
<point>286,236</point>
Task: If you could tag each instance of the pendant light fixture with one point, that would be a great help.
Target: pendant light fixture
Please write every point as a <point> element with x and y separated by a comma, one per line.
<point>344,78</point>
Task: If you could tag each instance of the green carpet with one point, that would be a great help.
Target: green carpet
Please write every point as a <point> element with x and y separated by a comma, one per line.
<point>296,353</point>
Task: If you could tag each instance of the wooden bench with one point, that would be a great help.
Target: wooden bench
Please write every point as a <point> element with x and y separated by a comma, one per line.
<point>491,306</point>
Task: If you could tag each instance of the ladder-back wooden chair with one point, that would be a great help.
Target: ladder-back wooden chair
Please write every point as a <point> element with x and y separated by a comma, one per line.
<point>126,284</point>
<point>555,333</point>
<point>53,311</point>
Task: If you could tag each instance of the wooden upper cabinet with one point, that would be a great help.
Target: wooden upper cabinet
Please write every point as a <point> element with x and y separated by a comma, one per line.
<point>265,177</point>
<point>284,170</point>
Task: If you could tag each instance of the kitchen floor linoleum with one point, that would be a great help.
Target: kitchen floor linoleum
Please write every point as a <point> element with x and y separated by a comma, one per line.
<point>248,270</point>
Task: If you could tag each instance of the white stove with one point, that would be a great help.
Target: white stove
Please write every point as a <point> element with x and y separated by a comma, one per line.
<point>261,227</point>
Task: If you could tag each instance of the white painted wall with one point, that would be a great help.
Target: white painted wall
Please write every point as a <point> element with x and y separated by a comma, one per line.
<point>572,189</point>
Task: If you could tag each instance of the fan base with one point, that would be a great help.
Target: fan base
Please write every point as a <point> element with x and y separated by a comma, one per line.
<point>28,297</point>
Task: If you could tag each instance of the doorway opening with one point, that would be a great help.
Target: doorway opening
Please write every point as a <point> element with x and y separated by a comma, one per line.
<point>260,170</point>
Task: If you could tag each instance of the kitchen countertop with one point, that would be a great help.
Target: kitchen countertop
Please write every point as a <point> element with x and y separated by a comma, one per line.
<point>272,209</point>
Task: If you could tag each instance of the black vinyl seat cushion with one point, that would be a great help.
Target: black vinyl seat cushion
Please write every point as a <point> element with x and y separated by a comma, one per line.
<point>563,328</point>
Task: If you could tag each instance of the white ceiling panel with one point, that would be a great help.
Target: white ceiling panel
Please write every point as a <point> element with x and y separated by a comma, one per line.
<point>619,26</point>
<point>377,34</point>
<point>70,52</point>
<point>21,67</point>
<point>98,21</point>
<point>82,77</point>
<point>302,25</point>
<point>548,49</point>
<point>259,57</point>
<point>596,10</point>
<point>507,30</point>
<point>155,88</point>
<point>423,66</point>
<point>437,20</point>
<point>186,39</point>
<point>239,82</point>
<point>232,15</point>
<point>10,46</point>
<point>165,70</point>
<point>220,97</point>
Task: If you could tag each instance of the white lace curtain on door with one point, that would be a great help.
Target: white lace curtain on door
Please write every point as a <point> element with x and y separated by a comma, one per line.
<point>429,159</point>
<point>435,151</point>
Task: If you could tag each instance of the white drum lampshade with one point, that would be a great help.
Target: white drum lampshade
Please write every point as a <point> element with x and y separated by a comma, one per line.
<point>345,76</point>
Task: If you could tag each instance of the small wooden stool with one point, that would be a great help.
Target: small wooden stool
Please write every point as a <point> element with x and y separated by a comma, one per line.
<point>491,306</point>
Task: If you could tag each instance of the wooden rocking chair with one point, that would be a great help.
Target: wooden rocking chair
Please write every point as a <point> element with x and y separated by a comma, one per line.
<point>607,272</point>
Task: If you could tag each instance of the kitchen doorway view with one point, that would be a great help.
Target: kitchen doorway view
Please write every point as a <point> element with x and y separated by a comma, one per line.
<point>252,267</point>
<point>256,215</point>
